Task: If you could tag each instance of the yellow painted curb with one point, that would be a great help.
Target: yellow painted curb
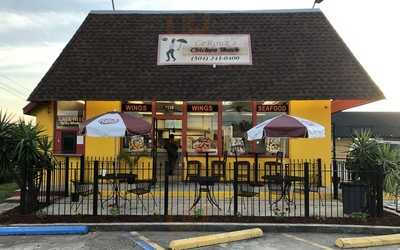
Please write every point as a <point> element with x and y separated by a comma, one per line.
<point>368,241</point>
<point>215,239</point>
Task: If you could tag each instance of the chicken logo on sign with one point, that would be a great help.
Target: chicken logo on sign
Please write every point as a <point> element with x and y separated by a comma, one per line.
<point>173,46</point>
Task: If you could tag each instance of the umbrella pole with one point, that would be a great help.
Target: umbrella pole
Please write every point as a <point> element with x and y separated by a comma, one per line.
<point>115,155</point>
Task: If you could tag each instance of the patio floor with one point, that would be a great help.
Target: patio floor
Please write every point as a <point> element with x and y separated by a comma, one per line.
<point>181,198</point>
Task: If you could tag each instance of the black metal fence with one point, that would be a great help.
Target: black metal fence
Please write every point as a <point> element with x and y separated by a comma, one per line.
<point>298,188</point>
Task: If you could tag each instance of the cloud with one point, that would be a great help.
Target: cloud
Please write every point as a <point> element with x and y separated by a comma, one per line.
<point>33,32</point>
<point>34,6</point>
<point>32,28</point>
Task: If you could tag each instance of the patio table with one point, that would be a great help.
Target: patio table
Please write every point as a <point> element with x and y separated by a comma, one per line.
<point>205,184</point>
<point>286,182</point>
<point>116,180</point>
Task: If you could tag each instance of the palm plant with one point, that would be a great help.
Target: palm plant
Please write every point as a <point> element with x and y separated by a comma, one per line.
<point>389,159</point>
<point>367,156</point>
<point>25,152</point>
<point>363,157</point>
<point>5,139</point>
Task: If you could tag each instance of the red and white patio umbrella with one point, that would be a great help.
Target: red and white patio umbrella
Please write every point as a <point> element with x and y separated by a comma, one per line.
<point>114,124</point>
<point>286,126</point>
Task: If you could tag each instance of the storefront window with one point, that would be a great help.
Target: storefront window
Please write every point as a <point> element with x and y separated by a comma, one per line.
<point>267,110</point>
<point>237,119</point>
<point>202,127</point>
<point>165,128</point>
<point>69,114</point>
<point>138,143</point>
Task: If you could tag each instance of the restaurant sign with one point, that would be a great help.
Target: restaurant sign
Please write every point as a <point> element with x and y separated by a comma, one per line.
<point>136,107</point>
<point>186,49</point>
<point>202,108</point>
<point>273,108</point>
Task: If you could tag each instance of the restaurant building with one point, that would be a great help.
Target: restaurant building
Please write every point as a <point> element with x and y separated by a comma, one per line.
<point>206,77</point>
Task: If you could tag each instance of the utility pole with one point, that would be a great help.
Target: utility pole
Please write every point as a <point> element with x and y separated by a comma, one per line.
<point>316,1</point>
<point>113,5</point>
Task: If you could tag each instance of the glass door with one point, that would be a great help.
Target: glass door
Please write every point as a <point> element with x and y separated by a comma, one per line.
<point>168,138</point>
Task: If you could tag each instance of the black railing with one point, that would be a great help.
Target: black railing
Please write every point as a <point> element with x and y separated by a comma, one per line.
<point>297,188</point>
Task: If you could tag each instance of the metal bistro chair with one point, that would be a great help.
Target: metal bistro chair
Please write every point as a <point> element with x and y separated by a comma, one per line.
<point>218,167</point>
<point>192,168</point>
<point>140,189</point>
<point>81,190</point>
<point>274,178</point>
<point>274,167</point>
<point>314,184</point>
<point>246,188</point>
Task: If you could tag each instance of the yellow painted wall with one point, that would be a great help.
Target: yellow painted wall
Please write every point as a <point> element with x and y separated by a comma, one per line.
<point>318,111</point>
<point>45,119</point>
<point>104,147</point>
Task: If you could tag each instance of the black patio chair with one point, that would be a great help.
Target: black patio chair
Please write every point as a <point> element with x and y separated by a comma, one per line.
<point>192,168</point>
<point>246,188</point>
<point>243,168</point>
<point>275,185</point>
<point>140,189</point>
<point>81,190</point>
<point>314,184</point>
<point>218,167</point>
<point>276,166</point>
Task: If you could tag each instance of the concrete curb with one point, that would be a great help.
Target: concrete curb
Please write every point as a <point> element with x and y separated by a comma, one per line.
<point>224,227</point>
<point>44,230</point>
<point>214,239</point>
<point>369,241</point>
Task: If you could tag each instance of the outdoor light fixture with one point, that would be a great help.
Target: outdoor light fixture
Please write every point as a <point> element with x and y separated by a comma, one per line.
<point>227,103</point>
<point>81,101</point>
<point>136,102</point>
<point>270,102</point>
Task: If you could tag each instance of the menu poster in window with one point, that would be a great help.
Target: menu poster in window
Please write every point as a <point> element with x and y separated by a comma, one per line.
<point>203,144</point>
<point>136,143</point>
<point>272,145</point>
<point>237,145</point>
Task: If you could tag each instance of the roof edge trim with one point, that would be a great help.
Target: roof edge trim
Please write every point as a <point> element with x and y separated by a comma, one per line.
<point>202,11</point>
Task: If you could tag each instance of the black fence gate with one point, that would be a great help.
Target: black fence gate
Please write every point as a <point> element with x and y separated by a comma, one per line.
<point>227,187</point>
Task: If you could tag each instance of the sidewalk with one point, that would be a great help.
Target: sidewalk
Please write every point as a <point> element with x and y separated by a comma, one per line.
<point>10,202</point>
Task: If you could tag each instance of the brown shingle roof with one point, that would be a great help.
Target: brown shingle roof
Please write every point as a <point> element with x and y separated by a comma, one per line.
<point>296,55</point>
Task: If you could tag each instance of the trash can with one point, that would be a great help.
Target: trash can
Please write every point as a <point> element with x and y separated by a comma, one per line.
<point>354,197</point>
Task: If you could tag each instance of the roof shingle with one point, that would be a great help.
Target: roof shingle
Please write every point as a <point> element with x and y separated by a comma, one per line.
<point>297,55</point>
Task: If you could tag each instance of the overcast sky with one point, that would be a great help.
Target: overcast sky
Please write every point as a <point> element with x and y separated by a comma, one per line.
<point>33,33</point>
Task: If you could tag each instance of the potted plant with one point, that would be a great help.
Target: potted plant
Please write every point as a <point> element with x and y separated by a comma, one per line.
<point>374,169</point>
<point>361,163</point>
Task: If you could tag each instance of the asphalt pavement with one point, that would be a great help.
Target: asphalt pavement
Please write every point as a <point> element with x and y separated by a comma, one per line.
<point>127,240</point>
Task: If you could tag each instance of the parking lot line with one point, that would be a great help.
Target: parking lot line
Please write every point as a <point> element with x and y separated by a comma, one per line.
<point>145,243</point>
<point>307,241</point>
